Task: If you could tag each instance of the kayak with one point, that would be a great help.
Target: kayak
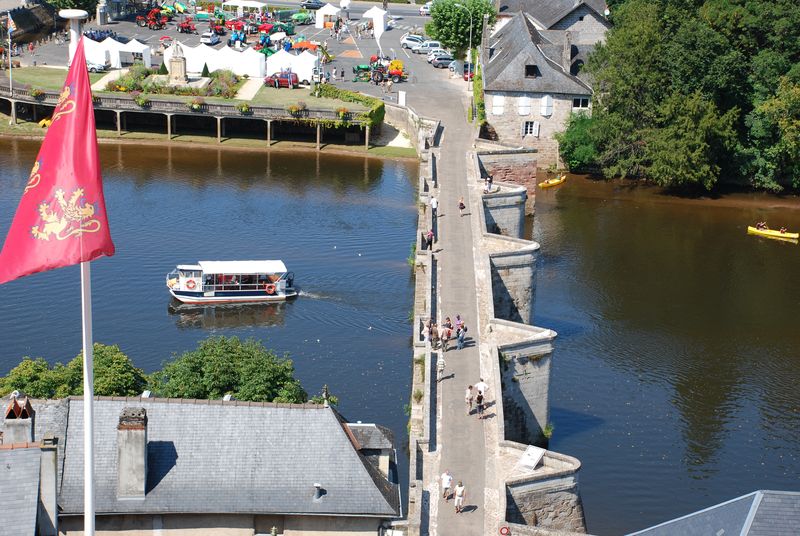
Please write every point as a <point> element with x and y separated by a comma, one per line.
<point>552,182</point>
<point>772,233</point>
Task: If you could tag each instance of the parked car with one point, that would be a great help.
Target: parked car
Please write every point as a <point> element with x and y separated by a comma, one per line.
<point>284,79</point>
<point>209,38</point>
<point>425,47</point>
<point>311,4</point>
<point>95,67</point>
<point>443,61</point>
<point>410,40</point>
<point>425,9</point>
<point>436,52</point>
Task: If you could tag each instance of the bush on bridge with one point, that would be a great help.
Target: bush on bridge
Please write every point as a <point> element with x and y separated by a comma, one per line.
<point>377,109</point>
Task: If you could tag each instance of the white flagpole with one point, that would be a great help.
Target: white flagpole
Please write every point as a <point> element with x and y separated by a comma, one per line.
<point>88,400</point>
<point>10,74</point>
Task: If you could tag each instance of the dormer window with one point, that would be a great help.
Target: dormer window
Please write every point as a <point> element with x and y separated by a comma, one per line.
<point>532,71</point>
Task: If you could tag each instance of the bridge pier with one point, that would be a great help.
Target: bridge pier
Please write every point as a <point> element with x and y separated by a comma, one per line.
<point>169,126</point>
<point>13,111</point>
<point>319,134</point>
<point>219,130</point>
<point>119,123</point>
<point>269,132</point>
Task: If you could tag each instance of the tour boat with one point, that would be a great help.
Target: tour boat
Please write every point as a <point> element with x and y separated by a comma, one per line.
<point>553,182</point>
<point>772,233</point>
<point>231,282</point>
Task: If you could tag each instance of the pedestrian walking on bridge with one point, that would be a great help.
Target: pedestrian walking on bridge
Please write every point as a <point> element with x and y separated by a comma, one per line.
<point>460,494</point>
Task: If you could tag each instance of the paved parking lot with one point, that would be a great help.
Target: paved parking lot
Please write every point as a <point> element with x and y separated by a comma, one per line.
<point>424,80</point>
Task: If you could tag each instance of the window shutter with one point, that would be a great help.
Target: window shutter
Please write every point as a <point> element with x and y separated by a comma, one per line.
<point>536,129</point>
<point>547,106</point>
<point>498,103</point>
<point>524,106</point>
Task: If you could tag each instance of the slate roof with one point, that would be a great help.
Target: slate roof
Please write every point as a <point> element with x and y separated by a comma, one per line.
<point>548,12</point>
<point>228,457</point>
<point>372,436</point>
<point>19,487</point>
<point>517,44</point>
<point>761,513</point>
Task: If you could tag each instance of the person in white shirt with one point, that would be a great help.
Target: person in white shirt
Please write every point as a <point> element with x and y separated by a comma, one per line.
<point>459,494</point>
<point>447,481</point>
<point>481,387</point>
<point>434,206</point>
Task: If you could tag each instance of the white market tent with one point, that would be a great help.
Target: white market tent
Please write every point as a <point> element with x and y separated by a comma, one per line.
<point>378,17</point>
<point>95,52</point>
<point>326,13</point>
<point>280,61</point>
<point>114,48</point>
<point>372,12</point>
<point>137,47</point>
<point>241,7</point>
<point>249,62</point>
<point>277,36</point>
<point>304,65</point>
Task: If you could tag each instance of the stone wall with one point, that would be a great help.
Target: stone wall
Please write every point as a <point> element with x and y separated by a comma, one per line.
<point>421,130</point>
<point>552,503</point>
<point>514,167</point>
<point>514,283</point>
<point>509,123</point>
<point>505,211</point>
<point>525,378</point>
<point>589,31</point>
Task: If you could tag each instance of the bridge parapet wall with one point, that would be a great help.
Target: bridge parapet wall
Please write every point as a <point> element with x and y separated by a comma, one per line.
<point>516,359</point>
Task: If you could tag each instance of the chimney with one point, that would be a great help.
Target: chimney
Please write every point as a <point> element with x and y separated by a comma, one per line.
<point>47,519</point>
<point>566,56</point>
<point>132,453</point>
<point>19,419</point>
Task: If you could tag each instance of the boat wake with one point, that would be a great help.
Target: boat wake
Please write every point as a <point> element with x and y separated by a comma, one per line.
<point>313,295</point>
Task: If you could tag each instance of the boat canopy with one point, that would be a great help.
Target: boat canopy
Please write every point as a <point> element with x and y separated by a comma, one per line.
<point>188,267</point>
<point>242,267</point>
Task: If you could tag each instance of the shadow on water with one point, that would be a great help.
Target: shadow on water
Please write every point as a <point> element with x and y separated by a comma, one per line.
<point>569,423</point>
<point>188,316</point>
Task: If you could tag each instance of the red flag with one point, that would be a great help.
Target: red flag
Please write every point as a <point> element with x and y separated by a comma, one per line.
<point>61,219</point>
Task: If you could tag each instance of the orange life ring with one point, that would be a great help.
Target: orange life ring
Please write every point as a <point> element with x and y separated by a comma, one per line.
<point>190,284</point>
<point>269,288</point>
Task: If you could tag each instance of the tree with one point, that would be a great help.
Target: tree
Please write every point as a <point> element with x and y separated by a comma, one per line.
<point>576,143</point>
<point>163,69</point>
<point>692,143</point>
<point>114,375</point>
<point>205,74</point>
<point>450,22</point>
<point>775,126</point>
<point>227,365</point>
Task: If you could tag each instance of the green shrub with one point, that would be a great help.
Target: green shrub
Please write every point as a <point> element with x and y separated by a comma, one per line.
<point>163,69</point>
<point>204,74</point>
<point>377,110</point>
<point>576,143</point>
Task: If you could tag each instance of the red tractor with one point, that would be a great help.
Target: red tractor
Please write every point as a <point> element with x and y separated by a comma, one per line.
<point>153,20</point>
<point>187,26</point>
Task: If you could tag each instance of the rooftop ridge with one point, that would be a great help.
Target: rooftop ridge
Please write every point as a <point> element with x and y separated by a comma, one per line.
<point>201,402</point>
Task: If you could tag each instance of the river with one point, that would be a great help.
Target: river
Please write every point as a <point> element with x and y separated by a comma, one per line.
<point>344,225</point>
<point>676,367</point>
<point>677,363</point>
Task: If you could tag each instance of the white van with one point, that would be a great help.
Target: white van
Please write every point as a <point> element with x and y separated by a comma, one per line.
<point>427,46</point>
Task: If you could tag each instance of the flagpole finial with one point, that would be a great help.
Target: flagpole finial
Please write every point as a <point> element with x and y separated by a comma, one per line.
<point>75,16</point>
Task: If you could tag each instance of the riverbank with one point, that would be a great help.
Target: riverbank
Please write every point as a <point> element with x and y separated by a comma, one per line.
<point>388,145</point>
<point>633,190</point>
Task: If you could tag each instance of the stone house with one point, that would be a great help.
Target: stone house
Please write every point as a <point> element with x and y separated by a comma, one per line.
<point>186,467</point>
<point>531,62</point>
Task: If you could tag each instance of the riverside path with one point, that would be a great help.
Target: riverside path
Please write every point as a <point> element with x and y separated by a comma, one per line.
<point>460,446</point>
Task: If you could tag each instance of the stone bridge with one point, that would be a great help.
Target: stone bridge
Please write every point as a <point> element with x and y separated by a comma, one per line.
<point>483,267</point>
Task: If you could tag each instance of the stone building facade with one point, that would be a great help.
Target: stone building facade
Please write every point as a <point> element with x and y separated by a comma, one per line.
<point>532,70</point>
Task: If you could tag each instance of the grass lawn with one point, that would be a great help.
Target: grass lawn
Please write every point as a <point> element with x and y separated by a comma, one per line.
<point>281,98</point>
<point>45,77</point>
